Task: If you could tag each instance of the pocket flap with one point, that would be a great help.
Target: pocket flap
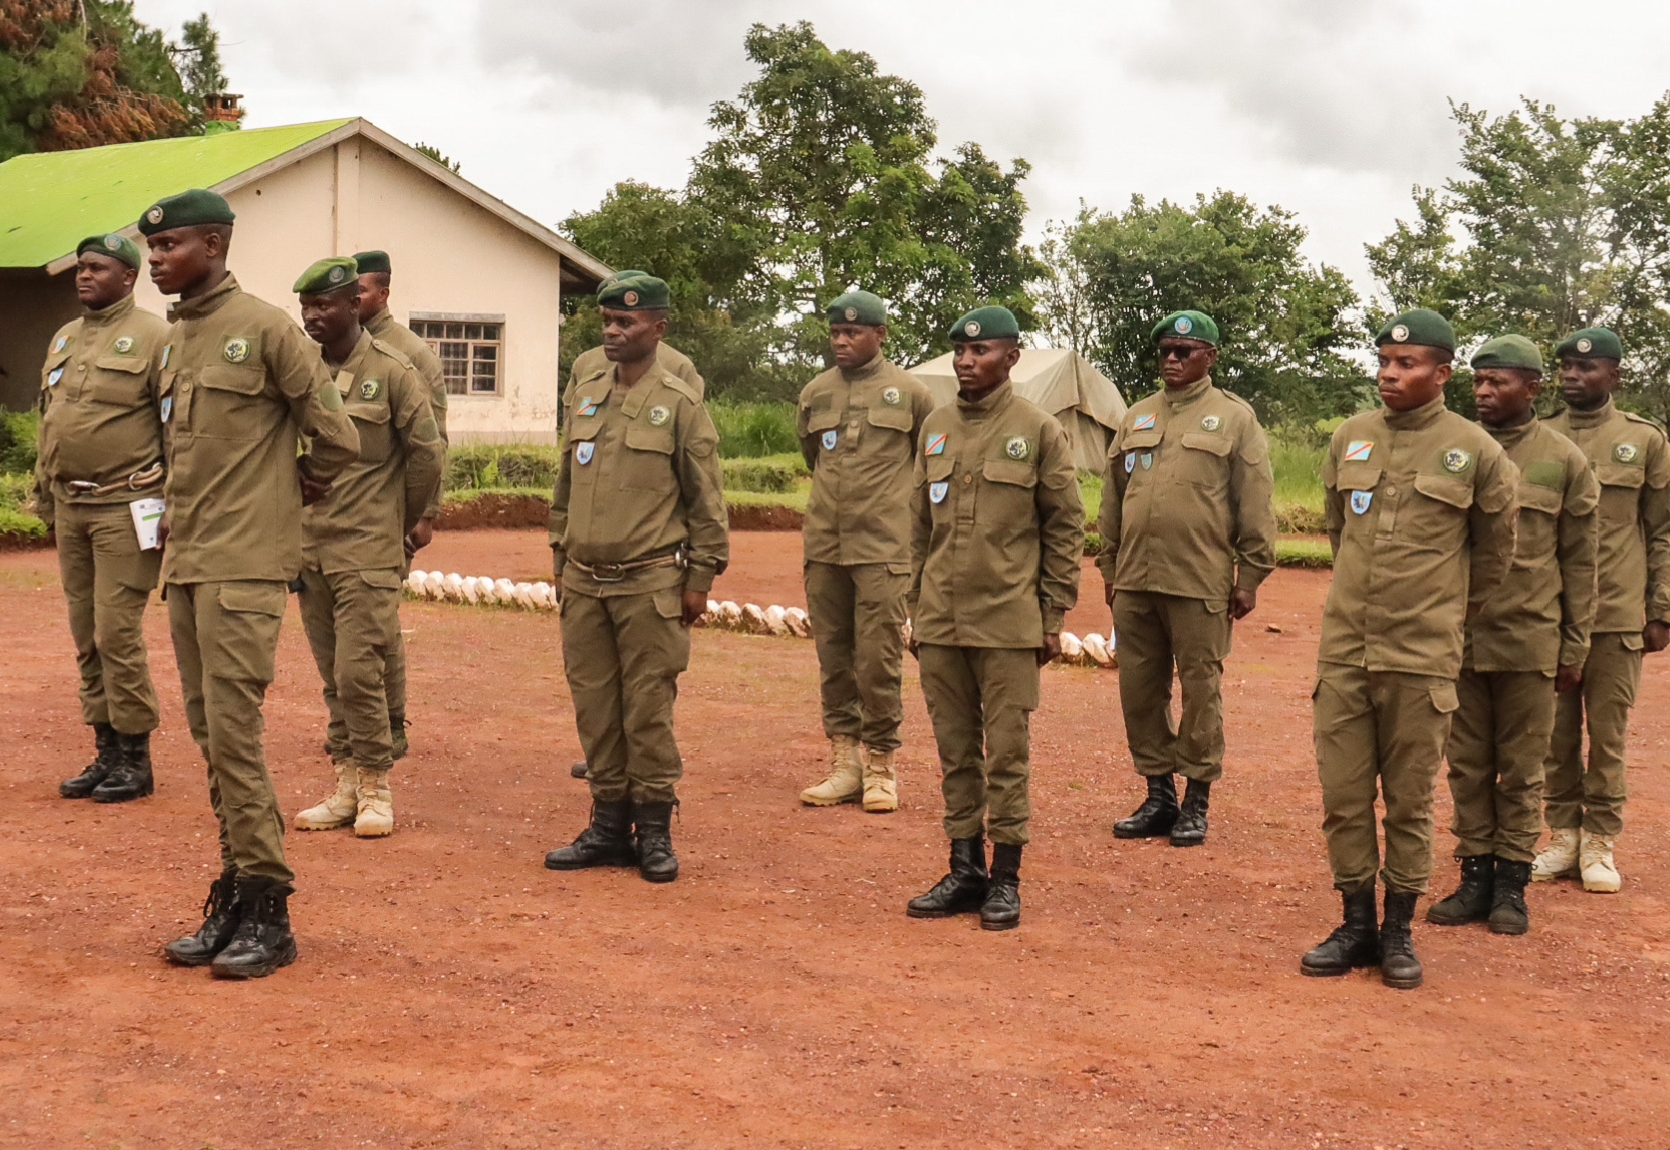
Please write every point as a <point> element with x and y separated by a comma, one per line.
<point>165,385</point>
<point>1010,471</point>
<point>1137,440</point>
<point>375,413</point>
<point>649,439</point>
<point>940,466</point>
<point>224,377</point>
<point>1455,492</point>
<point>1444,699</point>
<point>669,603</point>
<point>130,363</point>
<point>56,359</point>
<point>1357,477</point>
<point>823,420</point>
<point>385,578</point>
<point>254,598</point>
<point>896,418</point>
<point>1201,441</point>
<point>1540,498</point>
<point>1617,475</point>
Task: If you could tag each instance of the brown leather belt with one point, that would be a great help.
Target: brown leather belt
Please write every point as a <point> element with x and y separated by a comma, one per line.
<point>138,481</point>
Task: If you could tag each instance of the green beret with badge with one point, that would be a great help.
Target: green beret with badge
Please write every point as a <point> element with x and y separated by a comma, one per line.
<point>328,275</point>
<point>989,322</point>
<point>857,307</point>
<point>1591,343</point>
<point>634,291</point>
<point>1418,326</point>
<point>188,209</point>
<point>1187,325</point>
<point>372,261</point>
<point>112,245</point>
<point>1509,351</point>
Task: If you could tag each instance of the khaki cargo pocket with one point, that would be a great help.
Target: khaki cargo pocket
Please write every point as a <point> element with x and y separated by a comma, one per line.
<point>228,404</point>
<point>1633,641</point>
<point>119,380</point>
<point>53,363</point>
<point>669,604</point>
<point>386,579</point>
<point>1007,496</point>
<point>1619,475</point>
<point>647,462</point>
<point>246,632</point>
<point>893,418</point>
<point>1205,461</point>
<point>824,420</point>
<point>371,420</point>
<point>1443,698</point>
<point>1357,477</point>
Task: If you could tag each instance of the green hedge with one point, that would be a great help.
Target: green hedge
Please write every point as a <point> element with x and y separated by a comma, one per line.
<point>18,433</point>
<point>481,466</point>
<point>750,430</point>
<point>766,473</point>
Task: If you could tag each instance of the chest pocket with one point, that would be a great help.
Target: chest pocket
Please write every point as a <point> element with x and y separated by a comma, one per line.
<point>1539,508</point>
<point>118,380</point>
<point>372,421</point>
<point>1008,494</point>
<point>54,363</point>
<point>228,403</point>
<point>1620,475</point>
<point>647,462</point>
<point>939,470</point>
<point>1133,447</point>
<point>892,418</point>
<point>1439,509</point>
<point>1204,460</point>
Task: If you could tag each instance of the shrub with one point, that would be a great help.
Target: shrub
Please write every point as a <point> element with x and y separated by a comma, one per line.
<point>19,432</point>
<point>483,466</point>
<point>767,473</point>
<point>750,430</point>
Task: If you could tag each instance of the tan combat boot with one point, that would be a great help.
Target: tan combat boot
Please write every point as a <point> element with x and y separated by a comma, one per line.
<point>1600,873</point>
<point>1559,858</point>
<point>376,805</point>
<point>337,809</point>
<point>881,785</point>
<point>845,783</point>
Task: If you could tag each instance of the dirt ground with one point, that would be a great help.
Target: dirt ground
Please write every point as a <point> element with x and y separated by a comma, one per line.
<point>453,993</point>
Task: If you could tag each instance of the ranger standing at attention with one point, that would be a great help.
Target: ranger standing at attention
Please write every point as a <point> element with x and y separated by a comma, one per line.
<point>638,534</point>
<point>100,451</point>
<point>1527,643</point>
<point>1421,509</point>
<point>375,273</point>
<point>1188,535</point>
<point>1584,805</point>
<point>997,536</point>
<point>353,545</point>
<point>858,425</point>
<point>241,385</point>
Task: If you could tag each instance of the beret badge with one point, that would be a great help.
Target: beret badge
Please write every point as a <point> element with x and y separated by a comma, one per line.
<point>852,314</point>
<point>971,328</point>
<point>1400,333</point>
<point>630,299</point>
<point>1183,326</point>
<point>154,215</point>
<point>1585,345</point>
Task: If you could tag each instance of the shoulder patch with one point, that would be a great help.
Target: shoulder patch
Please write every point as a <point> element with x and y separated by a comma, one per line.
<point>1143,422</point>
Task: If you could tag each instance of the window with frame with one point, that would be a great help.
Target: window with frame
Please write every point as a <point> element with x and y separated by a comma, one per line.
<point>471,348</point>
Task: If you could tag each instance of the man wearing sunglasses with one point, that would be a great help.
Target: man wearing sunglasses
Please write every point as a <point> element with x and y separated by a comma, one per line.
<point>1188,534</point>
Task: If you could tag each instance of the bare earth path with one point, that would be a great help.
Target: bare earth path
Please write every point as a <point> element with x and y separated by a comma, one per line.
<point>453,993</point>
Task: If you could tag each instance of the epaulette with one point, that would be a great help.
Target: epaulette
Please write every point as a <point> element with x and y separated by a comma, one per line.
<point>1647,419</point>
<point>673,382</point>
<point>1239,400</point>
<point>393,353</point>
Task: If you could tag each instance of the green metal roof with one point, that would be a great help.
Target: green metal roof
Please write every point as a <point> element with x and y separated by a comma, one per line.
<point>51,201</point>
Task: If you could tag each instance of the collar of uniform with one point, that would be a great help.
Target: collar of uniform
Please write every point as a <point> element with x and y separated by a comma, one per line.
<point>1423,416</point>
<point>111,314</point>
<point>635,399</point>
<point>998,396</point>
<point>378,322</point>
<point>356,358</point>
<point>864,371</point>
<point>1188,394</point>
<point>1508,436</point>
<point>207,303</point>
<point>1591,418</point>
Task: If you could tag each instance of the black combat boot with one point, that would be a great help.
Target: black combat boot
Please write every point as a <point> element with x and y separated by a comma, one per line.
<point>1508,914</point>
<point>1002,908</point>
<point>654,824</point>
<point>1471,900</point>
<point>961,891</point>
<point>262,942</point>
<point>397,734</point>
<point>579,770</point>
<point>131,779</point>
<point>220,919</point>
<point>104,738</point>
<point>1156,815</point>
<point>606,842</point>
<point>1399,968</point>
<point>1190,828</point>
<point>1355,942</point>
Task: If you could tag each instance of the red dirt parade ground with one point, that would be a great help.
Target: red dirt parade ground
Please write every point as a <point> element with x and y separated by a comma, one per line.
<point>451,992</point>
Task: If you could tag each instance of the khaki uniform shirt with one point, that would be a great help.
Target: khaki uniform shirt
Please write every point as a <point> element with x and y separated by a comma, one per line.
<point>1186,504</point>
<point>593,364</point>
<point>361,524</point>
<point>1539,618</point>
<point>1632,461</point>
<point>414,347</point>
<point>997,530</point>
<point>639,480</point>
<point>1421,508</point>
<point>241,384</point>
<point>858,431</point>
<point>99,391</point>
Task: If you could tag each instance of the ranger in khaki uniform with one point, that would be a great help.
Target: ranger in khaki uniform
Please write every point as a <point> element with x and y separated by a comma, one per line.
<point>1188,534</point>
<point>1421,508</point>
<point>1528,642</point>
<point>997,536</point>
<point>1585,803</point>
<point>352,545</point>
<point>638,534</point>
<point>241,385</point>
<point>100,450</point>
<point>375,273</point>
<point>858,425</point>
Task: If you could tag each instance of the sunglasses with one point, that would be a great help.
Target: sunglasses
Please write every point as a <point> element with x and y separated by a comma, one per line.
<point>1173,351</point>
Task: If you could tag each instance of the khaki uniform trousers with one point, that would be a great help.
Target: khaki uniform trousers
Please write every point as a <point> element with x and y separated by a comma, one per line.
<point>981,701</point>
<point>1496,750</point>
<point>107,583</point>
<point>1593,798</point>
<point>1379,731</point>
<point>225,640</point>
<point>623,655</point>
<point>394,667</point>
<point>352,619</point>
<point>858,618</point>
<point>1155,634</point>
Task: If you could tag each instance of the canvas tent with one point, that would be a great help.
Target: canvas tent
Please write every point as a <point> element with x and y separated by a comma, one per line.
<point>1063,383</point>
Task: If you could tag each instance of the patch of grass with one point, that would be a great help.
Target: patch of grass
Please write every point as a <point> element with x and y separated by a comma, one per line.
<point>1304,553</point>
<point>766,473</point>
<point>797,497</point>
<point>751,430</point>
<point>495,467</point>
<point>1298,470</point>
<point>464,495</point>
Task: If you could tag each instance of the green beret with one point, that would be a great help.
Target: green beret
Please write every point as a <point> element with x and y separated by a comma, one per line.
<point>1186,325</point>
<point>328,275</point>
<point>989,322</point>
<point>1420,326</point>
<point>1509,351</point>
<point>114,246</point>
<point>857,307</point>
<point>1592,343</point>
<point>372,261</point>
<point>197,206</point>
<point>633,291</point>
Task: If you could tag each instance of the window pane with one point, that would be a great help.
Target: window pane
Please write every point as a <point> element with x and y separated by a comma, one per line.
<point>472,331</point>
<point>455,331</point>
<point>484,352</point>
<point>489,331</point>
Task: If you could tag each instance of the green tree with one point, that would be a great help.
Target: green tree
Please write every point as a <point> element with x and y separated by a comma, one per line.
<point>197,56</point>
<point>434,153</point>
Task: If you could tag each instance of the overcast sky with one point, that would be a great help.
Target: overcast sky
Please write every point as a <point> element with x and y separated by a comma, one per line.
<point>1332,108</point>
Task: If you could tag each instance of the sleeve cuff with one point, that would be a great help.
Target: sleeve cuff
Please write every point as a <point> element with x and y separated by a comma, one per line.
<point>1250,578</point>
<point>699,579</point>
<point>1054,619</point>
<point>1571,656</point>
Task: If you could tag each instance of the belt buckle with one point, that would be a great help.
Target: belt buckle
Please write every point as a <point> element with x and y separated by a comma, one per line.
<point>82,485</point>
<point>608,572</point>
